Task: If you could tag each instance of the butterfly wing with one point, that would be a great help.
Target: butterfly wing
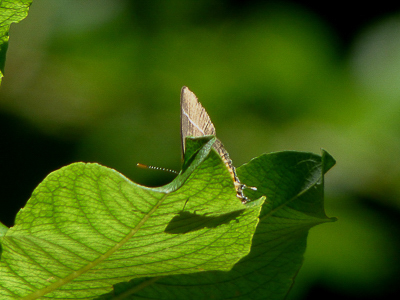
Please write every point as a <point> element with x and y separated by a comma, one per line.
<point>194,119</point>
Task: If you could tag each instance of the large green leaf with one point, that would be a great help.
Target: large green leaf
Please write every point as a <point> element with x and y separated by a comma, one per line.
<point>87,227</point>
<point>293,183</point>
<point>11,11</point>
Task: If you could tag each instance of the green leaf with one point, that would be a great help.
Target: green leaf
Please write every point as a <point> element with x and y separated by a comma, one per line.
<point>293,183</point>
<point>3,229</point>
<point>11,11</point>
<point>87,227</point>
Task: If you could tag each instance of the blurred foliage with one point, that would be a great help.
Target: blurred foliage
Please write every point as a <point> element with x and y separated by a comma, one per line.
<point>105,77</point>
<point>10,12</point>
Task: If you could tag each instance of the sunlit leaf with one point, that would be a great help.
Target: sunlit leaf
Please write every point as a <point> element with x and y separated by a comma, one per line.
<point>87,227</point>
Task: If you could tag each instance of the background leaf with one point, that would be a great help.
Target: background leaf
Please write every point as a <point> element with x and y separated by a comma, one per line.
<point>87,227</point>
<point>10,12</point>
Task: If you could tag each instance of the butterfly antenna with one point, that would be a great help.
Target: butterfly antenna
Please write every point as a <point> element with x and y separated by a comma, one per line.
<point>143,166</point>
<point>241,195</point>
<point>253,188</point>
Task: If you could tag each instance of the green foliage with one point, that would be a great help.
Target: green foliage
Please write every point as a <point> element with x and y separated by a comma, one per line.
<point>272,76</point>
<point>10,12</point>
<point>88,232</point>
<point>3,229</point>
<point>87,228</point>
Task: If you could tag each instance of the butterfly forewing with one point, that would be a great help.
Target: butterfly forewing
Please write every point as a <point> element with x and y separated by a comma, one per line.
<point>194,118</point>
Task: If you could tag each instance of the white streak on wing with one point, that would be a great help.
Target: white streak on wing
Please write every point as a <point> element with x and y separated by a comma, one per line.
<point>190,120</point>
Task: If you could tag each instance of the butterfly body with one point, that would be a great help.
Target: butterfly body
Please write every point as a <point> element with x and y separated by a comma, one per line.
<point>196,122</point>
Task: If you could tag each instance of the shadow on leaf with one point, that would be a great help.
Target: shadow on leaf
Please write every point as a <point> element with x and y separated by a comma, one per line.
<point>186,221</point>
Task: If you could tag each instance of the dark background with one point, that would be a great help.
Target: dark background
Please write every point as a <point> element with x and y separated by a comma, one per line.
<point>86,83</point>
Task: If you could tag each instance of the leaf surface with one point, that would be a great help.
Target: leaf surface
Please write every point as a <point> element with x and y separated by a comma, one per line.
<point>293,183</point>
<point>87,227</point>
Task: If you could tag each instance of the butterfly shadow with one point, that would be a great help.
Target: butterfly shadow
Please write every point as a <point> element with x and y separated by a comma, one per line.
<point>187,221</point>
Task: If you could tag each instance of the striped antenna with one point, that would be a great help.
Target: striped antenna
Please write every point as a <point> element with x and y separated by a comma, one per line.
<point>253,188</point>
<point>143,166</point>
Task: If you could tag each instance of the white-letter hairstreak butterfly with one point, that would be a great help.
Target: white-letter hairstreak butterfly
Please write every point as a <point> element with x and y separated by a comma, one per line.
<point>196,122</point>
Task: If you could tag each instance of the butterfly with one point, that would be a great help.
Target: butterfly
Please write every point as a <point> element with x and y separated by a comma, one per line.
<point>196,122</point>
